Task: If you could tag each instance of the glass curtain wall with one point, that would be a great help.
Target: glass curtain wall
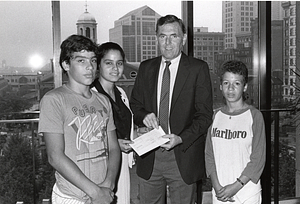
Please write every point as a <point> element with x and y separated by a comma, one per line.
<point>240,35</point>
<point>228,31</point>
<point>220,31</point>
<point>285,93</point>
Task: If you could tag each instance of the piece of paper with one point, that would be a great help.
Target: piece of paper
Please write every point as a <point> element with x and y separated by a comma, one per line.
<point>149,141</point>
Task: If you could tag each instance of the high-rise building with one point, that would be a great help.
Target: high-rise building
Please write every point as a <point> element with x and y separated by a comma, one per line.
<point>289,56</point>
<point>207,45</point>
<point>135,32</point>
<point>277,11</point>
<point>236,19</point>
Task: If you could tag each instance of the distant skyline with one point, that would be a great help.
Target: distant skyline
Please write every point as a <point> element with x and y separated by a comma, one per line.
<point>27,25</point>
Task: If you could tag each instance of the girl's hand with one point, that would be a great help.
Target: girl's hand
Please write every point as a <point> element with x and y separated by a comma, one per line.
<point>124,145</point>
<point>227,192</point>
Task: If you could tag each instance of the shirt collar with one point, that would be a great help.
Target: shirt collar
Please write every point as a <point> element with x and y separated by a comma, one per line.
<point>173,61</point>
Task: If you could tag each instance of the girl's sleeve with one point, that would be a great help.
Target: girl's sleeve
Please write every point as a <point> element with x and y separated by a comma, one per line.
<point>256,165</point>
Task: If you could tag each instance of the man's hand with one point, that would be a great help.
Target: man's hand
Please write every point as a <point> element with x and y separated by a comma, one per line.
<point>151,120</point>
<point>174,141</point>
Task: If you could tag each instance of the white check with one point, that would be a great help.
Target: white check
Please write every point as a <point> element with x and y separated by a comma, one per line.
<point>149,141</point>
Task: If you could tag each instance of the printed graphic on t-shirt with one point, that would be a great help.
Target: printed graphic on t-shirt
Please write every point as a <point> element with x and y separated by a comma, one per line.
<point>90,126</point>
<point>228,134</point>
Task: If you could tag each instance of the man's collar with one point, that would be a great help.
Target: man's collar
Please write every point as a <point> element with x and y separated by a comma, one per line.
<point>175,60</point>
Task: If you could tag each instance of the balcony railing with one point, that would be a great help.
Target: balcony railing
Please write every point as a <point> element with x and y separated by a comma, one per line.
<point>276,155</point>
<point>10,132</point>
<point>37,142</point>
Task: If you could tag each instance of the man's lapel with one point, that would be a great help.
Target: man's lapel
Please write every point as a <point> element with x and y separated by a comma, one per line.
<point>182,75</point>
<point>153,74</point>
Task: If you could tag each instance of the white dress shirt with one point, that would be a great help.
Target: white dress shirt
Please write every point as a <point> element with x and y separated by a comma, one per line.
<point>173,72</point>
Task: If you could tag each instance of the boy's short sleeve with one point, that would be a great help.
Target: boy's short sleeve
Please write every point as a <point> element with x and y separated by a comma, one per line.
<point>51,118</point>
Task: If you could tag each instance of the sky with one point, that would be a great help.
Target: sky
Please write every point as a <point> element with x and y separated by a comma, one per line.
<point>26,26</point>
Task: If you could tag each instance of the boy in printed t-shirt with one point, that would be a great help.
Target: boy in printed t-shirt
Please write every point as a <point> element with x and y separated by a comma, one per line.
<point>235,146</point>
<point>79,130</point>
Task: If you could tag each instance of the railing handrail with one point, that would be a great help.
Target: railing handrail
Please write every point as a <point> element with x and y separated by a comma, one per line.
<point>20,120</point>
<point>278,110</point>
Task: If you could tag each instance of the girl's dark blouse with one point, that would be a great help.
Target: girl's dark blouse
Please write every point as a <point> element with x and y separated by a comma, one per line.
<point>121,114</point>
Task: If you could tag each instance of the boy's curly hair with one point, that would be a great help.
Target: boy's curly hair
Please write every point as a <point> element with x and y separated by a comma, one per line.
<point>236,67</point>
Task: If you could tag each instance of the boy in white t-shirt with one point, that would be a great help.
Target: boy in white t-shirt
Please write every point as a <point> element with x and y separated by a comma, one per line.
<point>235,146</point>
<point>79,130</point>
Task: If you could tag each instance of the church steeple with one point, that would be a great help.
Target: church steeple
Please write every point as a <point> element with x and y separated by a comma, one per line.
<point>87,25</point>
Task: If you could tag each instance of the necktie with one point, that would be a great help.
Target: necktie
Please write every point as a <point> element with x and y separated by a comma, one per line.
<point>164,99</point>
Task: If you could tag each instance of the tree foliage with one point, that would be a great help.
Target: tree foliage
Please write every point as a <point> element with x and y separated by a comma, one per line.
<point>16,172</point>
<point>287,171</point>
<point>16,183</point>
<point>13,103</point>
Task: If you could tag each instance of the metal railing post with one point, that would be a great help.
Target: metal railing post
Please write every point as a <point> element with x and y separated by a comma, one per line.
<point>33,160</point>
<point>276,157</point>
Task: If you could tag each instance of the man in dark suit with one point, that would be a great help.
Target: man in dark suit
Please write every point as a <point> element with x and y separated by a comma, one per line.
<point>179,163</point>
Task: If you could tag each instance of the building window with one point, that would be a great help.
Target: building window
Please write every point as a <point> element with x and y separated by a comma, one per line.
<point>286,72</point>
<point>292,31</point>
<point>88,32</point>
<point>286,52</point>
<point>292,21</point>
<point>292,11</point>
<point>286,13</point>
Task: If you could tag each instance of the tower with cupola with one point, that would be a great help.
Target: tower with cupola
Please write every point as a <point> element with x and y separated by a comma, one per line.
<point>87,25</point>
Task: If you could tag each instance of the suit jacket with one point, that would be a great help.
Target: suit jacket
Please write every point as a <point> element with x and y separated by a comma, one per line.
<point>190,113</point>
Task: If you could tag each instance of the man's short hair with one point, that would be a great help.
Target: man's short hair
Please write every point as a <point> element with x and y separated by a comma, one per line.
<point>170,19</point>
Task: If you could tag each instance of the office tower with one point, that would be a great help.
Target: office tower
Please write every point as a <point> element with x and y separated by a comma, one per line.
<point>277,11</point>
<point>135,32</point>
<point>289,57</point>
<point>236,19</point>
<point>207,45</point>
